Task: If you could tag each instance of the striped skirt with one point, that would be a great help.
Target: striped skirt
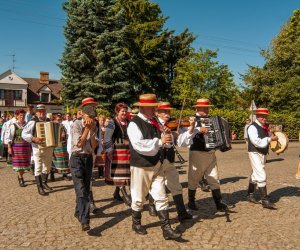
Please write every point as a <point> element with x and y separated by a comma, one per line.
<point>21,155</point>
<point>60,159</point>
<point>117,171</point>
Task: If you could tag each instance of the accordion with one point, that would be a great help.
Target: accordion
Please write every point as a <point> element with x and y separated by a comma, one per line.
<point>50,132</point>
<point>219,135</point>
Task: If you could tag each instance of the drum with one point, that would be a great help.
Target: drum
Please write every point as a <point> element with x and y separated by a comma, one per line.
<point>281,145</point>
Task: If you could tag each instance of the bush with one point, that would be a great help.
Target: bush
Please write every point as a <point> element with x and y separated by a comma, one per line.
<point>236,118</point>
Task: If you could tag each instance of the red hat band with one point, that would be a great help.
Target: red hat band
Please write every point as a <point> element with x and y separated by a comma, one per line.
<point>202,103</point>
<point>147,101</point>
<point>87,101</point>
<point>164,107</point>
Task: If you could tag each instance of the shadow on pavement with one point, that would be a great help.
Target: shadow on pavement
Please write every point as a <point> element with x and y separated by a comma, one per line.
<point>277,194</point>
<point>232,179</point>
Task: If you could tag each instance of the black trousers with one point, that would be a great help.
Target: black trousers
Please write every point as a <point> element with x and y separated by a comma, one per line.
<point>81,169</point>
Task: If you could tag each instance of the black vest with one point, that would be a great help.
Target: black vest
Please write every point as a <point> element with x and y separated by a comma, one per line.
<point>120,134</point>
<point>261,134</point>
<point>149,131</point>
<point>198,140</point>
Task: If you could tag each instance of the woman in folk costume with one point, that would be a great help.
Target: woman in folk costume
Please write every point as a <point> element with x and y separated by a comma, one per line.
<point>60,159</point>
<point>116,145</point>
<point>18,148</point>
<point>101,155</point>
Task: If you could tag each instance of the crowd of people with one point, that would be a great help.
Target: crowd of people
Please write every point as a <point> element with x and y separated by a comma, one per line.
<point>134,152</point>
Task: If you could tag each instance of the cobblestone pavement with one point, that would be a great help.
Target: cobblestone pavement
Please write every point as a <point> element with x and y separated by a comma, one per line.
<point>31,221</point>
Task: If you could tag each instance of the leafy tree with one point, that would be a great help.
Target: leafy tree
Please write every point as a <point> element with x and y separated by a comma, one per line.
<point>200,75</point>
<point>155,50</point>
<point>276,84</point>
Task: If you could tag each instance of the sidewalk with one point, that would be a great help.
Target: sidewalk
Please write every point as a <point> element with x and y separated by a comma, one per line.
<point>31,221</point>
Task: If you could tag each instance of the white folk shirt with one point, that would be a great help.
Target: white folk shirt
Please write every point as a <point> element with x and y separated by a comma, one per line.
<point>6,128</point>
<point>68,125</point>
<point>253,137</point>
<point>148,147</point>
<point>12,131</point>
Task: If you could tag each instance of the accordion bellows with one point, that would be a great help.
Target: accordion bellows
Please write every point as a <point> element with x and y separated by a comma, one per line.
<point>50,132</point>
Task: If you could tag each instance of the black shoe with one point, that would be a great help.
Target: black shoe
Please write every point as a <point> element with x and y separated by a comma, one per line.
<point>181,211</point>
<point>191,203</point>
<point>265,202</point>
<point>168,232</point>
<point>152,209</point>
<point>220,205</point>
<point>126,198</point>
<point>117,195</point>
<point>21,182</point>
<point>39,185</point>
<point>136,223</point>
<point>251,198</point>
<point>85,227</point>
<point>45,182</point>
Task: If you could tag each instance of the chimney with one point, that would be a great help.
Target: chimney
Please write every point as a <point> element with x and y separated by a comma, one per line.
<point>44,77</point>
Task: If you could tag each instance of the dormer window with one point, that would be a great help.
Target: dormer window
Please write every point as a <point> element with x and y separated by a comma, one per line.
<point>45,97</point>
<point>45,94</point>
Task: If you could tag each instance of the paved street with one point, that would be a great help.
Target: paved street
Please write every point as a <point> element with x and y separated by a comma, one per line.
<point>31,221</point>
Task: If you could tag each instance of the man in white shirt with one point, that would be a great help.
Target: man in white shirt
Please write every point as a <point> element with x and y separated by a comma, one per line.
<point>170,171</point>
<point>67,123</point>
<point>147,165</point>
<point>259,138</point>
<point>42,156</point>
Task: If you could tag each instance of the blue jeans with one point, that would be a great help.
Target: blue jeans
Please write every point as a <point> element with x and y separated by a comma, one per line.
<point>81,169</point>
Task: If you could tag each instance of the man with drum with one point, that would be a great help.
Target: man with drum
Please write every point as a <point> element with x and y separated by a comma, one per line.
<point>147,164</point>
<point>259,138</point>
<point>202,161</point>
<point>42,156</point>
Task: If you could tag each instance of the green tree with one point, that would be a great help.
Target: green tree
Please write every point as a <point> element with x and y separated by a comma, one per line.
<point>276,84</point>
<point>200,75</point>
<point>95,62</point>
<point>155,50</point>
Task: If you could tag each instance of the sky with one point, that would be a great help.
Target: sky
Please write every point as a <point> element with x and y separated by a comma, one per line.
<point>32,31</point>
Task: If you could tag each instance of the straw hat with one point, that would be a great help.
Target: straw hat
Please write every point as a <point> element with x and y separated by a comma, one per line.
<point>88,101</point>
<point>164,105</point>
<point>40,106</point>
<point>147,100</point>
<point>262,111</point>
<point>204,102</point>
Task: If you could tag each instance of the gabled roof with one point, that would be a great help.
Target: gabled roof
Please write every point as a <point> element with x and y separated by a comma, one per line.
<point>11,77</point>
<point>34,85</point>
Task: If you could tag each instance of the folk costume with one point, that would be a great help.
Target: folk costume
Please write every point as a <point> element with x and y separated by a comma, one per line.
<point>202,162</point>
<point>4,138</point>
<point>171,175</point>
<point>60,159</point>
<point>21,151</point>
<point>42,156</point>
<point>258,148</point>
<point>147,165</point>
<point>117,172</point>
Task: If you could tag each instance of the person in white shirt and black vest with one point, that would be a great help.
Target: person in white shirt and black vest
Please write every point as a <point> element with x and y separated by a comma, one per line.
<point>259,138</point>
<point>42,156</point>
<point>202,161</point>
<point>170,171</point>
<point>147,163</point>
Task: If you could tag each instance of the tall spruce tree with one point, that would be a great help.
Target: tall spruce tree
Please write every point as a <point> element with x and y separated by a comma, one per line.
<point>95,62</point>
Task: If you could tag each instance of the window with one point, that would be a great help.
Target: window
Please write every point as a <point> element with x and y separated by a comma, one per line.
<point>44,97</point>
<point>17,94</point>
<point>2,93</point>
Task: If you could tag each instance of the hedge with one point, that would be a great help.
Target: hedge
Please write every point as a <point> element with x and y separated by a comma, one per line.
<point>236,118</point>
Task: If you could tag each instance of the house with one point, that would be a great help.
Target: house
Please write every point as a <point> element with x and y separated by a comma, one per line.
<point>16,92</point>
